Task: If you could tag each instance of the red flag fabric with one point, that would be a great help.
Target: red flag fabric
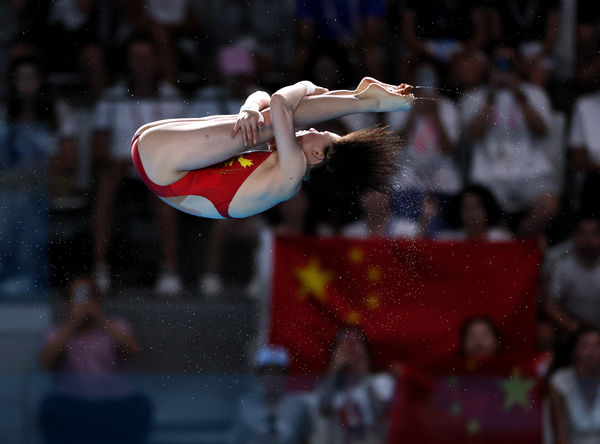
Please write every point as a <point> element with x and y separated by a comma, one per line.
<point>410,297</point>
<point>487,402</point>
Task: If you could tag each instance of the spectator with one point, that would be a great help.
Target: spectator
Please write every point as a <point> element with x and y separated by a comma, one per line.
<point>546,335</point>
<point>572,280</point>
<point>141,98</point>
<point>430,130</point>
<point>270,415</point>
<point>90,402</point>
<point>588,39</point>
<point>476,215</point>
<point>179,23</point>
<point>584,144</point>
<point>352,402</point>
<point>158,20</point>
<point>12,19</point>
<point>355,28</point>
<point>76,38</point>
<point>441,30</point>
<point>531,26</point>
<point>266,26</point>
<point>468,71</point>
<point>506,120</point>
<point>575,391</point>
<point>545,343</point>
<point>88,342</point>
<point>377,220</point>
<point>27,143</point>
<point>427,176</point>
<point>480,338</point>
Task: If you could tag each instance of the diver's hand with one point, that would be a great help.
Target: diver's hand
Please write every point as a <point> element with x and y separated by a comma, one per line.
<point>248,122</point>
<point>386,98</point>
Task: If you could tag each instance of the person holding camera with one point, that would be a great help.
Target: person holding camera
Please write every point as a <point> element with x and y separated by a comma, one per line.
<point>90,400</point>
<point>506,122</point>
<point>88,342</point>
<point>351,402</point>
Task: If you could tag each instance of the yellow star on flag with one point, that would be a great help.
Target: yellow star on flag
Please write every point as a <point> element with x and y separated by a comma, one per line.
<point>372,301</point>
<point>353,317</point>
<point>313,279</point>
<point>374,274</point>
<point>516,390</point>
<point>455,409</point>
<point>473,427</point>
<point>355,255</point>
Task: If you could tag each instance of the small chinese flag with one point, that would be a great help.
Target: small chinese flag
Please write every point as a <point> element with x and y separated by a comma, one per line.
<point>491,402</point>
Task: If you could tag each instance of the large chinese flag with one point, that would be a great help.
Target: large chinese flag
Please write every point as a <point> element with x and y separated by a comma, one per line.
<point>409,297</point>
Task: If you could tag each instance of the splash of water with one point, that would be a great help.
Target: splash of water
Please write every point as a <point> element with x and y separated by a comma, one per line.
<point>448,91</point>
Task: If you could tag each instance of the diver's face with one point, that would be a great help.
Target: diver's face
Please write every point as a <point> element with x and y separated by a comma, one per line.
<point>315,143</point>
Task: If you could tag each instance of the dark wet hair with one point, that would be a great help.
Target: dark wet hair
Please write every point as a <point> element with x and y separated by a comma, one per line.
<point>469,322</point>
<point>364,160</point>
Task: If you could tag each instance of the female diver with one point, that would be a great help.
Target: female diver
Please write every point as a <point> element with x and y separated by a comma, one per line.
<point>203,166</point>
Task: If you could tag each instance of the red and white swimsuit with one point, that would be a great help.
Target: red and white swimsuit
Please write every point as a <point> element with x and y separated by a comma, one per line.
<point>217,183</point>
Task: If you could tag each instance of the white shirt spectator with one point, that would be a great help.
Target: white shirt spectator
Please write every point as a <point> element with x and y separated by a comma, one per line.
<point>256,423</point>
<point>355,407</point>
<point>423,165</point>
<point>122,114</point>
<point>575,287</point>
<point>396,228</point>
<point>584,420</point>
<point>492,235</point>
<point>509,160</point>
<point>585,131</point>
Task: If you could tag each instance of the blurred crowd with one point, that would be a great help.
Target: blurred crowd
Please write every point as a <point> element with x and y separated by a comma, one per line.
<point>503,143</point>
